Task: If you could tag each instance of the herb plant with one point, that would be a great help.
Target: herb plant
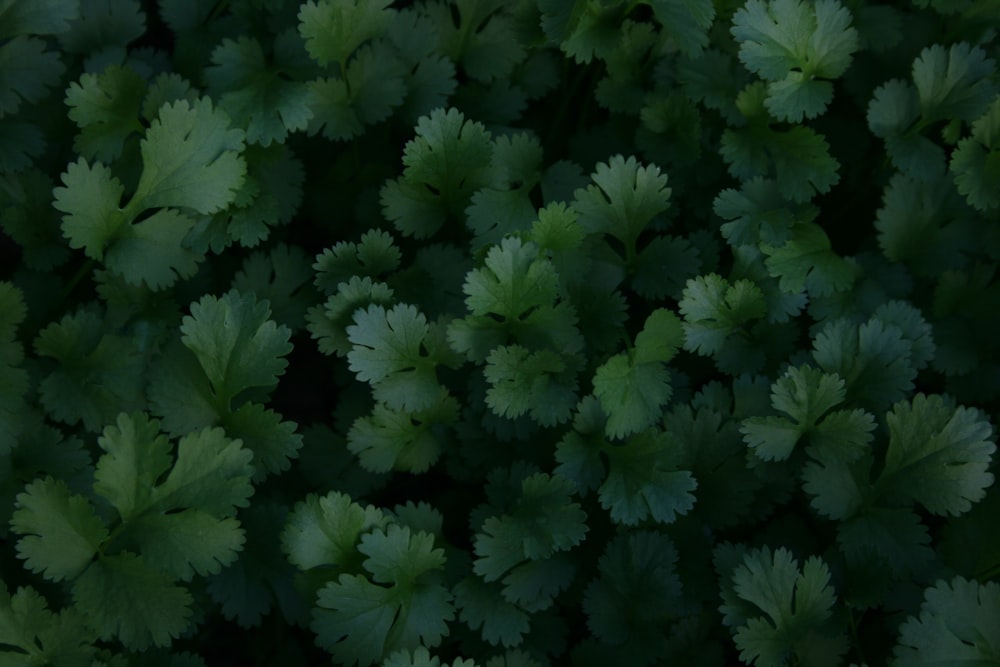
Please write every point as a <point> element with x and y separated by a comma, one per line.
<point>484,333</point>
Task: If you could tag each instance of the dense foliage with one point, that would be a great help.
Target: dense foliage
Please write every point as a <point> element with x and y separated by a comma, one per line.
<point>493,333</point>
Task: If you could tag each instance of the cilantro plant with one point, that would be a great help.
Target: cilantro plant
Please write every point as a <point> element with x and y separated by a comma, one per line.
<point>471,333</point>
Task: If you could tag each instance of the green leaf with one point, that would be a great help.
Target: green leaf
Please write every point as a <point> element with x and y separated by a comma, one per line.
<point>631,394</point>
<point>136,455</point>
<point>39,17</point>
<point>794,610</point>
<point>334,29</point>
<point>27,72</point>
<point>399,440</point>
<point>807,395</point>
<point>90,200</point>
<point>643,481</point>
<point>104,25</point>
<point>483,608</point>
<point>714,310</point>
<point>124,598</point>
<point>954,83</point>
<point>537,383</point>
<point>582,28</point>
<point>236,344</point>
<point>389,353</point>
<point>625,199</point>
<point>191,159</point>
<point>807,262</point>
<point>975,162</point>
<point>361,622</point>
<point>371,87</point>
<point>873,358</point>
<point>794,45</point>
<point>106,108</point>
<point>938,455</point>
<point>686,21</point>
<point>542,522</point>
<point>325,530</point>
<point>479,36</point>
<point>955,626</point>
<point>758,213</point>
<point>41,636</point>
<point>61,532</point>
<point>421,657</point>
<point>98,374</point>
<point>514,296</point>
<point>636,592</point>
<point>255,95</point>
<point>187,542</point>
<point>443,166</point>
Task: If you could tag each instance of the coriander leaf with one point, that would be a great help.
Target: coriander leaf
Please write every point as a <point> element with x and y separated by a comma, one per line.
<point>191,159</point>
<point>272,441</point>
<point>280,276</point>
<point>938,455</point>
<point>715,310</point>
<point>793,45</point>
<point>334,29</point>
<point>794,616</point>
<point>97,376</point>
<point>482,606</point>
<point>61,532</point>
<point>136,455</point>
<point>807,395</point>
<point>210,472</point>
<point>27,72</point>
<point>38,17</point>
<point>541,522</point>
<point>188,541</point>
<point>513,296</point>
<point>361,622</point>
<point>955,625</point>
<point>421,657</point>
<point>236,344</point>
<point>106,108</point>
<point>123,597</point>
<point>807,262</point>
<point>39,635</point>
<point>686,22</point>
<point>579,451</point>
<point>892,115</point>
<point>371,87</point>
<point>582,28</point>
<point>643,481</point>
<point>479,36</point>
<point>873,358</point>
<point>375,255</point>
<point>533,585</point>
<point>975,162</point>
<point>953,83</point>
<point>153,252</point>
<point>896,535</point>
<point>399,440</point>
<point>444,165</point>
<point>540,383</point>
<point>90,200</point>
<point>257,95</point>
<point>924,224</point>
<point>625,199</point>
<point>632,394</point>
<point>757,212</point>
<point>636,592</point>
<point>389,353</point>
<point>104,25</point>
<point>327,323</point>
<point>325,530</point>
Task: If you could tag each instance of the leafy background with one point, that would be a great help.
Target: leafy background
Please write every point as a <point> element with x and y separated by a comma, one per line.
<point>471,332</point>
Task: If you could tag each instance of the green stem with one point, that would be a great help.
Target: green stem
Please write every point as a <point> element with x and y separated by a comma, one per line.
<point>85,268</point>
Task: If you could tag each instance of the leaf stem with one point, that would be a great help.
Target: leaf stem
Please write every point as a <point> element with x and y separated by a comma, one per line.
<point>85,268</point>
